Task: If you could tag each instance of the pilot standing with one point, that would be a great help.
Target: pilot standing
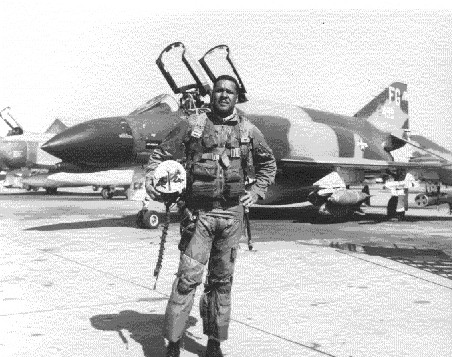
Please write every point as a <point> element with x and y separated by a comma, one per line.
<point>220,148</point>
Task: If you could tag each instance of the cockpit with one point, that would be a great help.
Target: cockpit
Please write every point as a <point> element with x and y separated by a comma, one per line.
<point>165,101</point>
<point>191,80</point>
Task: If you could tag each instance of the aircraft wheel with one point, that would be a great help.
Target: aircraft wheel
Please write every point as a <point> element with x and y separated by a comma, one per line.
<point>151,219</point>
<point>140,218</point>
<point>421,200</point>
<point>106,194</point>
<point>27,187</point>
<point>35,189</point>
<point>392,207</point>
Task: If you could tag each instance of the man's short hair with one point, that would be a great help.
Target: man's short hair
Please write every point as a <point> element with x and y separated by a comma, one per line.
<point>226,77</point>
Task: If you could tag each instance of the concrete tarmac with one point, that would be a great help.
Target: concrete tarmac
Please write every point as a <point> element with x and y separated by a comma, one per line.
<point>76,279</point>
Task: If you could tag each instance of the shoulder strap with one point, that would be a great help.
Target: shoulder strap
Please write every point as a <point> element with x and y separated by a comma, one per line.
<point>245,130</point>
<point>197,124</point>
<point>246,143</point>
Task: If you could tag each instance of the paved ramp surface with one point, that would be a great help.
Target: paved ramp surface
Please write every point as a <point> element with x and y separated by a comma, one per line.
<point>76,280</point>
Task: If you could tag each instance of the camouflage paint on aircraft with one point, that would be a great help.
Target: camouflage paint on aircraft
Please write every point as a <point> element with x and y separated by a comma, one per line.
<point>117,141</point>
<point>308,144</point>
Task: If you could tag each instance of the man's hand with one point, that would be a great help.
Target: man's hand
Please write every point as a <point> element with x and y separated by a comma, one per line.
<point>153,193</point>
<point>249,198</point>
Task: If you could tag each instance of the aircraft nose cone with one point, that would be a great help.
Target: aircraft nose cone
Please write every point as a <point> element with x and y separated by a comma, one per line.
<point>106,141</point>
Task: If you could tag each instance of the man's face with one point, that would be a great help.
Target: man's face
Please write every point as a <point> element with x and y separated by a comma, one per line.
<point>224,97</point>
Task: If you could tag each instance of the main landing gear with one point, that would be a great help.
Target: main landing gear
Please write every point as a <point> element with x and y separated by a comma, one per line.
<point>107,193</point>
<point>148,219</point>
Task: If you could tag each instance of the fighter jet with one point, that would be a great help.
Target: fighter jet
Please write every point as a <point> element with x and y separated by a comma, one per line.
<point>20,152</point>
<point>31,168</point>
<point>319,154</point>
<point>21,149</point>
<point>103,160</point>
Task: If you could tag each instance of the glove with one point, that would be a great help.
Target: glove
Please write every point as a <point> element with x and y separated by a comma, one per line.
<point>153,193</point>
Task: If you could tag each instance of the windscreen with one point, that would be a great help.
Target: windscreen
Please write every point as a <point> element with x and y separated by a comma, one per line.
<point>160,100</point>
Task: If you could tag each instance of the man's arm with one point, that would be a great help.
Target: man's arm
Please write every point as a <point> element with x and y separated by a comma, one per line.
<point>264,163</point>
<point>171,148</point>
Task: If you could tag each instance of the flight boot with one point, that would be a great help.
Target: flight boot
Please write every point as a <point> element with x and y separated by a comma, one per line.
<point>173,349</point>
<point>213,349</point>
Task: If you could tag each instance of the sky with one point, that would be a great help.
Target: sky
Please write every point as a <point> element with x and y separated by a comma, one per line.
<point>83,60</point>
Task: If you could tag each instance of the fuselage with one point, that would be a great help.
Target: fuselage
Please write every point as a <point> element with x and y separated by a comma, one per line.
<point>113,142</point>
<point>301,134</point>
<point>293,133</point>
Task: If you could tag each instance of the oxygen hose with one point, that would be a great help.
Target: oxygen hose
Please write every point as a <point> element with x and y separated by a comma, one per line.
<point>158,266</point>
<point>169,179</point>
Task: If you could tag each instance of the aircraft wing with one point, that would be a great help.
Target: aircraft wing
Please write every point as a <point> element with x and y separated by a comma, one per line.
<point>359,164</point>
<point>353,170</point>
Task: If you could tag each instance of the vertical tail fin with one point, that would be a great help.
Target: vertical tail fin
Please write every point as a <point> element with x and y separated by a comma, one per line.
<point>389,110</point>
<point>56,127</point>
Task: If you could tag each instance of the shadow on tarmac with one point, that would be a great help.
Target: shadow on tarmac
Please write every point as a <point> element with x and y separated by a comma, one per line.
<point>124,221</point>
<point>372,218</point>
<point>294,214</point>
<point>146,329</point>
<point>310,215</point>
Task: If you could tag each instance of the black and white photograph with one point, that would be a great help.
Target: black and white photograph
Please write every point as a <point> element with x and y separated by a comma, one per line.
<point>225,179</point>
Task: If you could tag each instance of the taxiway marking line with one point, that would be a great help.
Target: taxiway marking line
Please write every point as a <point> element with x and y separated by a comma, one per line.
<point>399,271</point>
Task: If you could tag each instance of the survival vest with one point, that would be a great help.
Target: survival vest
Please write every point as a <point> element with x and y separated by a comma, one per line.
<point>216,170</point>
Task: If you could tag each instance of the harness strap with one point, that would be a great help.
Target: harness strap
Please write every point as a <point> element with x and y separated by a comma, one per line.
<point>199,125</point>
<point>235,152</point>
<point>210,156</point>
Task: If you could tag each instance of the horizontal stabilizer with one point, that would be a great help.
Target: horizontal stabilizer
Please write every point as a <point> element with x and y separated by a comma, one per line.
<point>423,150</point>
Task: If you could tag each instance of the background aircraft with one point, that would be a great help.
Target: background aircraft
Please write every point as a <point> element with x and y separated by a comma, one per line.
<point>19,149</point>
<point>319,154</point>
<point>104,154</point>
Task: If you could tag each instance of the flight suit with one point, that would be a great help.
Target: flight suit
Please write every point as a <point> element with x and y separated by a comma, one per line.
<point>218,156</point>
